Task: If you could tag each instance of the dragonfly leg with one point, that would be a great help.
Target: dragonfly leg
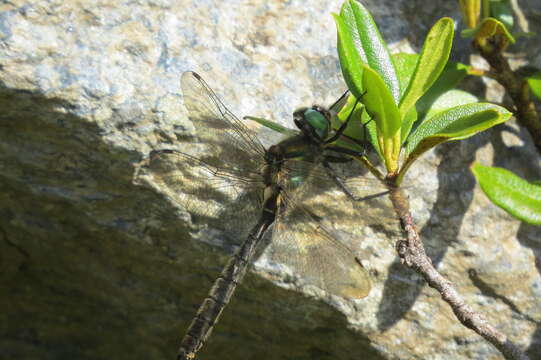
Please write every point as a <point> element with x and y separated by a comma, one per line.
<point>365,134</point>
<point>339,100</point>
<point>343,127</point>
<point>340,182</point>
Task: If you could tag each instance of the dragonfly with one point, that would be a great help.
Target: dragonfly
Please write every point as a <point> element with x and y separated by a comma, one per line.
<point>276,189</point>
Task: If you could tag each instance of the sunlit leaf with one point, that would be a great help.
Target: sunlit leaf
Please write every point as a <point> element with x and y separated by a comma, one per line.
<point>513,194</point>
<point>369,44</point>
<point>432,60</point>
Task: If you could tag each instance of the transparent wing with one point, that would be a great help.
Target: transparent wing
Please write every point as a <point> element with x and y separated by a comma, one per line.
<point>226,138</point>
<point>372,204</point>
<point>302,241</point>
<point>203,188</point>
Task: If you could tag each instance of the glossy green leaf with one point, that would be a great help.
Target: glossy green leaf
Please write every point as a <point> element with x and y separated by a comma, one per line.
<point>450,77</point>
<point>273,126</point>
<point>439,97</point>
<point>380,104</point>
<point>407,124</point>
<point>447,100</point>
<point>369,44</point>
<point>535,84</point>
<point>382,109</point>
<point>513,194</point>
<point>432,60</point>
<point>350,59</point>
<point>456,123</point>
<point>405,65</point>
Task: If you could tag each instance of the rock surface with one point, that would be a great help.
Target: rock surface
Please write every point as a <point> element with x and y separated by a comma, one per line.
<point>94,265</point>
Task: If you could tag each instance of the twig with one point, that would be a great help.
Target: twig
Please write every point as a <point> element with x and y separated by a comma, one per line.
<point>515,85</point>
<point>412,253</point>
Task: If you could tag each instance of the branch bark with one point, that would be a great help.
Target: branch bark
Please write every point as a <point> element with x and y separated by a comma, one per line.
<point>412,254</point>
<point>515,85</point>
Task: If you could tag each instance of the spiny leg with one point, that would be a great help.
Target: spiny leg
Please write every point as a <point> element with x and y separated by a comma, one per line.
<point>338,101</point>
<point>340,182</point>
<point>342,127</point>
<point>365,134</point>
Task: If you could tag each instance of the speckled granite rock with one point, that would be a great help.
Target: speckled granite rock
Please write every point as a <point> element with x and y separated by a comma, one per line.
<point>93,265</point>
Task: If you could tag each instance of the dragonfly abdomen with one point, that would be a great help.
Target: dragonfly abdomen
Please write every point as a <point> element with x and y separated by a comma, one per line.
<point>222,290</point>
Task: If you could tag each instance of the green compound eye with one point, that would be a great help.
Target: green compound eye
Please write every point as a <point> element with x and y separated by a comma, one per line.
<point>318,121</point>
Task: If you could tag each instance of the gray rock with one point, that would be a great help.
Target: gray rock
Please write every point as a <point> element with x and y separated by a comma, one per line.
<point>94,265</point>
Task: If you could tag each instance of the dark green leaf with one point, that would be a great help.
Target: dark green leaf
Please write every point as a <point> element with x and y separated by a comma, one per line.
<point>370,45</point>
<point>350,60</point>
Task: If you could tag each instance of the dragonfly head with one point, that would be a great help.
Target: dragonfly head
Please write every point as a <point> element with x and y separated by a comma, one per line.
<point>314,121</point>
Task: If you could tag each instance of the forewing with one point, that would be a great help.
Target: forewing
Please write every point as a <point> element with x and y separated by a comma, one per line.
<point>206,190</point>
<point>302,241</point>
<point>225,137</point>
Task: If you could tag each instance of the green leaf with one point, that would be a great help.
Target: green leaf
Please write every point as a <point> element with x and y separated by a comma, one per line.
<point>432,60</point>
<point>451,76</point>
<point>350,60</point>
<point>447,100</point>
<point>273,126</point>
<point>535,84</point>
<point>457,123</point>
<point>407,124</point>
<point>369,44</point>
<point>453,124</point>
<point>439,97</point>
<point>405,65</point>
<point>382,109</point>
<point>502,11</point>
<point>513,194</point>
<point>492,28</point>
<point>380,104</point>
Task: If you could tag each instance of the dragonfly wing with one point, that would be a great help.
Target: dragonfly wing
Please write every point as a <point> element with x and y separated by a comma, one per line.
<point>202,188</point>
<point>302,242</point>
<point>372,203</point>
<point>226,138</point>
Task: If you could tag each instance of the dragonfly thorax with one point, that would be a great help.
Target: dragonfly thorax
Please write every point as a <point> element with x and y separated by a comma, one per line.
<point>314,122</point>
